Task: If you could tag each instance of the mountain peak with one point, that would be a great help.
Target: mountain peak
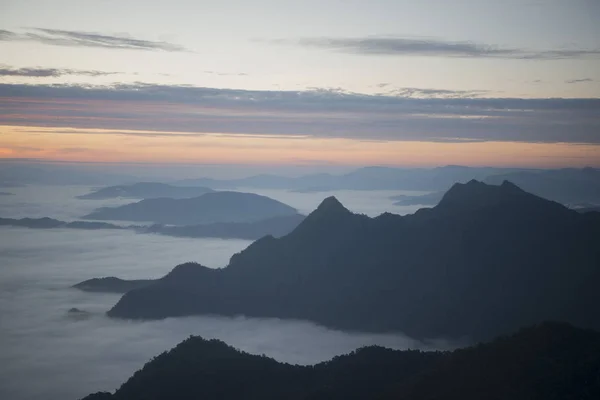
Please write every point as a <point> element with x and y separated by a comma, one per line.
<point>476,193</point>
<point>331,204</point>
<point>508,185</point>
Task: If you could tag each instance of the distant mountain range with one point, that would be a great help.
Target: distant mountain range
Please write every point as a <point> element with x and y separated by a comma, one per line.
<point>146,190</point>
<point>485,261</point>
<point>17,173</point>
<point>48,223</point>
<point>277,226</point>
<point>430,199</point>
<point>567,186</point>
<point>210,208</point>
<point>367,178</point>
<point>549,361</point>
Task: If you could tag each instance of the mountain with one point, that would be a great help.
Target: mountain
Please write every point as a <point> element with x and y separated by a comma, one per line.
<point>265,181</point>
<point>44,223</point>
<point>276,226</point>
<point>15,173</point>
<point>367,178</point>
<point>549,361</point>
<point>6,194</point>
<point>485,261</point>
<point>206,209</point>
<point>429,199</point>
<point>588,209</point>
<point>567,186</point>
<point>111,285</point>
<point>146,190</point>
<point>48,223</point>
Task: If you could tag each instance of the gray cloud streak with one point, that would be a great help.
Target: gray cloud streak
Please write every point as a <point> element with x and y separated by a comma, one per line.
<point>426,47</point>
<point>580,80</point>
<point>225,73</point>
<point>60,37</point>
<point>38,72</point>
<point>435,93</point>
<point>329,113</point>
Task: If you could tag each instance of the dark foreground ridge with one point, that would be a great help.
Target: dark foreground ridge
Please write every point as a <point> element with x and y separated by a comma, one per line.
<point>484,262</point>
<point>550,361</point>
<point>216,207</point>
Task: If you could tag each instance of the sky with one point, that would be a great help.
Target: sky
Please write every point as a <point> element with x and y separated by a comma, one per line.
<point>330,82</point>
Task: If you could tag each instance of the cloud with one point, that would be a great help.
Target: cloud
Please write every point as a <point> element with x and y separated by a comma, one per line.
<point>427,47</point>
<point>38,72</point>
<point>24,148</point>
<point>580,80</point>
<point>423,114</point>
<point>435,93</point>
<point>59,37</point>
<point>226,73</point>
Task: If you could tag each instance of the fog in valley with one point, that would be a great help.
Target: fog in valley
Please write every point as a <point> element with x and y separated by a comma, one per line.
<point>48,353</point>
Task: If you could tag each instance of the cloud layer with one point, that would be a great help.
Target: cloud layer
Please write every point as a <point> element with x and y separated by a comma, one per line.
<point>38,72</point>
<point>427,47</point>
<point>60,37</point>
<point>582,80</point>
<point>326,113</point>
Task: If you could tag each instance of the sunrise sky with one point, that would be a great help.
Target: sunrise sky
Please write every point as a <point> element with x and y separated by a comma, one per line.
<point>331,82</point>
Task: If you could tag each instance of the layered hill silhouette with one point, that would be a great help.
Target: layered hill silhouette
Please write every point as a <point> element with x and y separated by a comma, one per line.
<point>49,223</point>
<point>146,190</point>
<point>276,226</point>
<point>485,261</point>
<point>366,178</point>
<point>549,361</point>
<point>216,207</point>
<point>567,186</point>
<point>429,199</point>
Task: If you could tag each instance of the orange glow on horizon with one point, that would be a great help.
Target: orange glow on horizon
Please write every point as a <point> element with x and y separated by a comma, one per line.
<point>97,145</point>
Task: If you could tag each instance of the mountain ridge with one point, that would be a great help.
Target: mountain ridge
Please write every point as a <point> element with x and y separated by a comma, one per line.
<point>213,207</point>
<point>548,361</point>
<point>484,262</point>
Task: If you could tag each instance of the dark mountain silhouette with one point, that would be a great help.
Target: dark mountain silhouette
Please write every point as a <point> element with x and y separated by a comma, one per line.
<point>206,209</point>
<point>485,261</point>
<point>146,190</point>
<point>567,186</point>
<point>6,194</point>
<point>549,361</point>
<point>588,209</point>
